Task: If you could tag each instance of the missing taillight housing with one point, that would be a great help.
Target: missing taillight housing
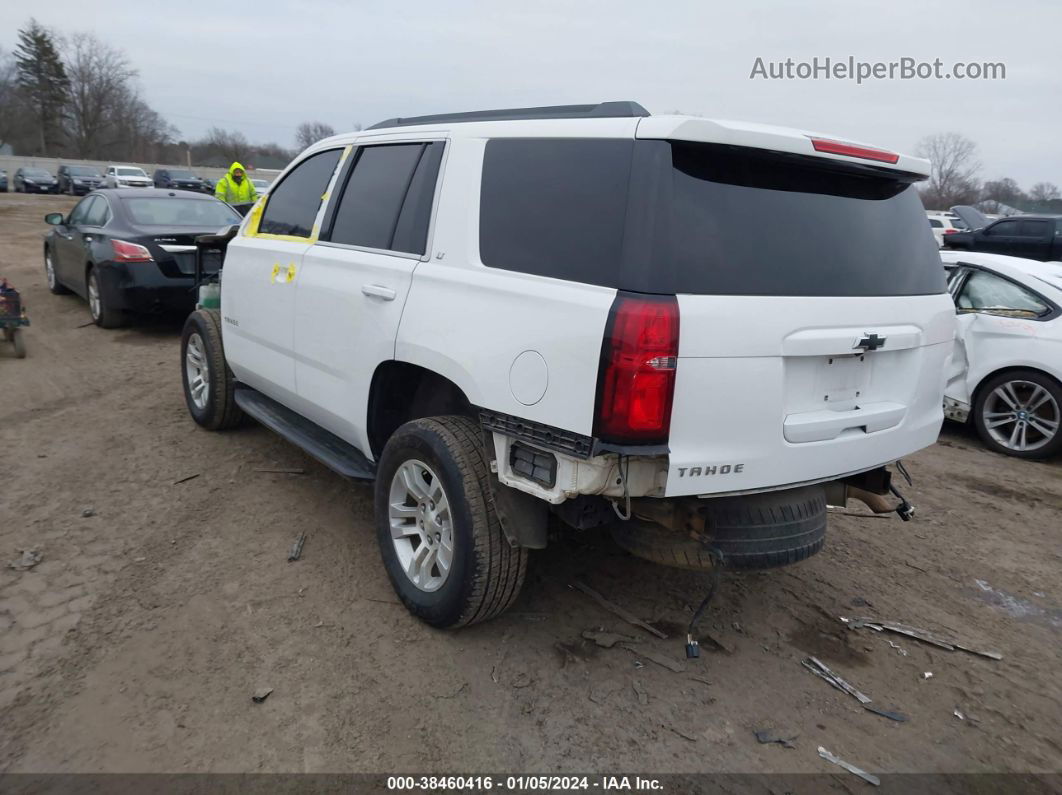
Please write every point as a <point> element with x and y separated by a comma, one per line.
<point>636,379</point>
<point>130,252</point>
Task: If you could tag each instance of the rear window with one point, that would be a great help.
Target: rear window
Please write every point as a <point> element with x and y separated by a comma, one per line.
<point>677,217</point>
<point>833,230</point>
<point>175,211</point>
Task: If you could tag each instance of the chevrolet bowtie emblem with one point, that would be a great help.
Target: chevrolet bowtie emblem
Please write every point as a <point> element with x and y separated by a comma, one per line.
<point>871,342</point>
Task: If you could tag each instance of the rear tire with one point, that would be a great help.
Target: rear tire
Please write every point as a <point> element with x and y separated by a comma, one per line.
<point>1020,408</point>
<point>484,574</point>
<point>759,531</point>
<point>211,399</point>
<point>55,287</point>
<point>103,315</point>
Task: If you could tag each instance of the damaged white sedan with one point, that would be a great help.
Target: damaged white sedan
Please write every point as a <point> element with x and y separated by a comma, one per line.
<point>1006,373</point>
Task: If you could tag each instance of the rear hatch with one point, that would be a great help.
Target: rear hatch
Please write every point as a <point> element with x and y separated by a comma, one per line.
<point>814,321</point>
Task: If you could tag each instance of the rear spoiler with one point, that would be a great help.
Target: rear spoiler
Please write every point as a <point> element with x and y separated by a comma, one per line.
<point>781,139</point>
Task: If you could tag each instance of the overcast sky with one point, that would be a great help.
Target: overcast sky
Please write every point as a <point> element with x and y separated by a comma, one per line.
<point>264,66</point>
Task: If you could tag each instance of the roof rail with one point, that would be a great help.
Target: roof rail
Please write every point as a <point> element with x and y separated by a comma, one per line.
<point>602,110</point>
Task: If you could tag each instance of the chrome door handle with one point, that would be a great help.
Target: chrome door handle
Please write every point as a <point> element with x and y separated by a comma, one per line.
<point>378,291</point>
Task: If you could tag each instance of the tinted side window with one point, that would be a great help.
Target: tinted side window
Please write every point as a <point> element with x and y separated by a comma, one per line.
<point>81,211</point>
<point>1033,229</point>
<point>1003,228</point>
<point>933,222</point>
<point>383,182</point>
<point>411,233</point>
<point>293,204</point>
<point>555,207</point>
<point>99,213</point>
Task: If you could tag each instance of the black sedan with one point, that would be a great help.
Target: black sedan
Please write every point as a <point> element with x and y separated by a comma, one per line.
<point>131,250</point>
<point>77,180</point>
<point>34,180</point>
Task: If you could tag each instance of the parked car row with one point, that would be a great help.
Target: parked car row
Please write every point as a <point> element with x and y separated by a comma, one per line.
<point>77,180</point>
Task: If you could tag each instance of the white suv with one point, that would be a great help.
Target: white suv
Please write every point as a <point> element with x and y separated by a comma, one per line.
<point>577,311</point>
<point>126,177</point>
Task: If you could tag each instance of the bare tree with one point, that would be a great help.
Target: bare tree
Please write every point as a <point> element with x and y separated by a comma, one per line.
<point>230,145</point>
<point>99,83</point>
<point>1044,192</point>
<point>310,132</point>
<point>953,170</point>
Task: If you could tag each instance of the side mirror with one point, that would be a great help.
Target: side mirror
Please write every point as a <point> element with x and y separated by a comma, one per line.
<point>55,219</point>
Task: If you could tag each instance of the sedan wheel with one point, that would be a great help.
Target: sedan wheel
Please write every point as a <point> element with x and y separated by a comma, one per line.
<point>102,314</point>
<point>1020,414</point>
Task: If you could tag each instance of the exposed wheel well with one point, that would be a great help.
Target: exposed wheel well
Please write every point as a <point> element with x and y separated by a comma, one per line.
<point>401,392</point>
<point>980,386</point>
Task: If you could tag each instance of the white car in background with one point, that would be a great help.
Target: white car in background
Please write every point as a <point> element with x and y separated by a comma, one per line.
<point>260,185</point>
<point>944,224</point>
<point>1006,373</point>
<point>126,177</point>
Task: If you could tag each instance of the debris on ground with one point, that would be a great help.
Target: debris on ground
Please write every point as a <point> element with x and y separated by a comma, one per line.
<point>521,680</point>
<point>899,717</point>
<point>641,692</point>
<point>261,694</point>
<point>606,640</point>
<point>918,634</point>
<point>296,548</point>
<point>282,471</point>
<point>958,714</point>
<point>615,609</point>
<point>899,648</point>
<point>26,561</point>
<point>767,736</point>
<point>685,734</point>
<point>927,675</point>
<point>655,657</point>
<point>185,479</point>
<point>867,777</point>
<point>817,667</point>
<point>88,513</point>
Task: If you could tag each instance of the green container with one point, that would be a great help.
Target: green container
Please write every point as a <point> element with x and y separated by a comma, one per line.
<point>209,296</point>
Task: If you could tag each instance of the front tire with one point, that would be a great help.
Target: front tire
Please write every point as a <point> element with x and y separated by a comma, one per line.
<point>209,385</point>
<point>103,314</point>
<point>1019,413</point>
<point>440,538</point>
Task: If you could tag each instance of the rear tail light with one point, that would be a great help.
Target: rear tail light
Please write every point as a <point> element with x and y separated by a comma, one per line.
<point>130,252</point>
<point>636,379</point>
<point>853,150</point>
<point>950,231</point>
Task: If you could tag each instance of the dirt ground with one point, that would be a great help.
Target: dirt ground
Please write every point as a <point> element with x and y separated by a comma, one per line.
<point>138,640</point>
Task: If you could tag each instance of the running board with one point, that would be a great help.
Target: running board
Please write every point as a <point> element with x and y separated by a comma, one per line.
<point>326,447</point>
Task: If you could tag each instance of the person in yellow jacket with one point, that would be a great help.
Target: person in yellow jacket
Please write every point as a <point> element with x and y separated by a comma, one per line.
<point>235,187</point>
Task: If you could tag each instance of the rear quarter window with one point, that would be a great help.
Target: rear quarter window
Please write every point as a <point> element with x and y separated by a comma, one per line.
<point>555,207</point>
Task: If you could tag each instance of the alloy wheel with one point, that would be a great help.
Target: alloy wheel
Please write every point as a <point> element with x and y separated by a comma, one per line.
<point>197,371</point>
<point>1021,415</point>
<point>49,270</point>
<point>94,302</point>
<point>421,525</point>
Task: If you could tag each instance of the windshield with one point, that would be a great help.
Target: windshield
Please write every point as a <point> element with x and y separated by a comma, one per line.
<point>83,171</point>
<point>35,172</point>
<point>181,174</point>
<point>176,211</point>
<point>131,172</point>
